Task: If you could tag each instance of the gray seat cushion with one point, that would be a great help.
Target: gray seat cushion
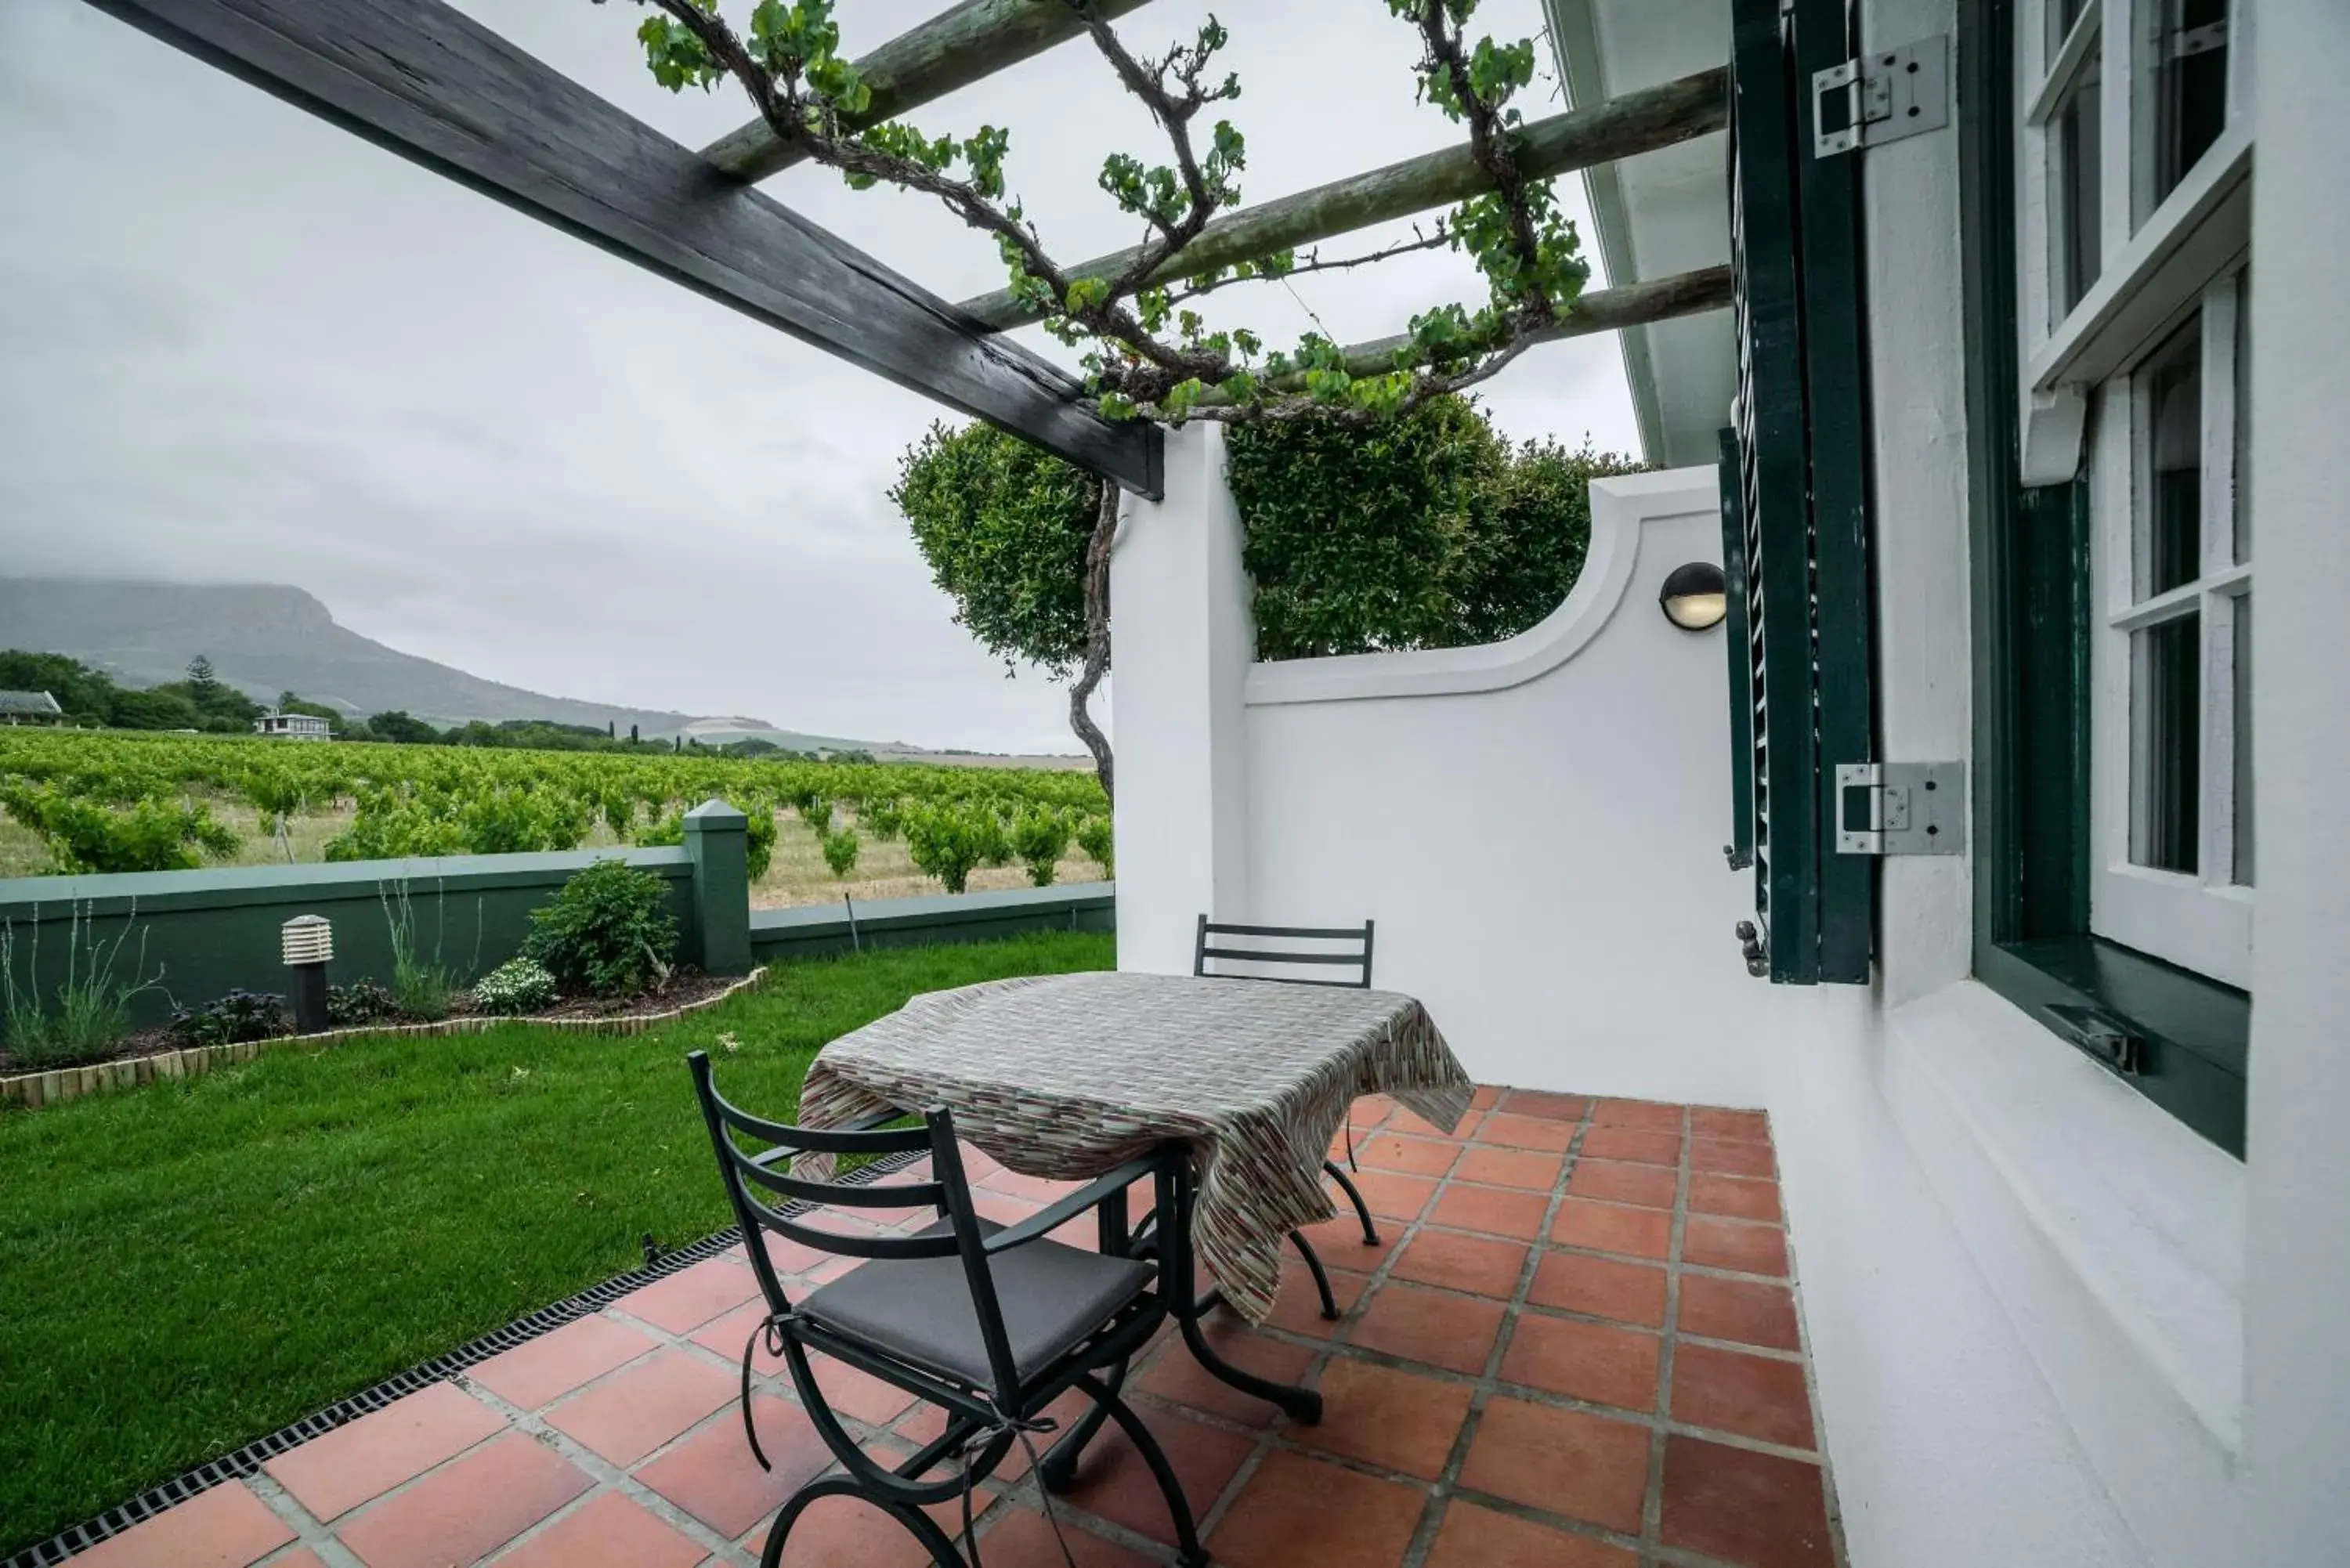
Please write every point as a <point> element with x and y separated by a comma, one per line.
<point>921,1310</point>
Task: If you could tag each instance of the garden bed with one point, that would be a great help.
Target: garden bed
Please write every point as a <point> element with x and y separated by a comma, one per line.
<point>155,1054</point>
<point>197,1264</point>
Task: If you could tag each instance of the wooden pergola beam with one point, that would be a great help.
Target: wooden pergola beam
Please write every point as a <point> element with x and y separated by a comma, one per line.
<point>429,83</point>
<point>952,49</point>
<point>1620,127</point>
<point>1602,310</point>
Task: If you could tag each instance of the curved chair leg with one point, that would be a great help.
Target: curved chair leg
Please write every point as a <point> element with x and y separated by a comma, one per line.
<point>1362,1209</point>
<point>1321,1277</point>
<point>1178,1508</point>
<point>1058,1470</point>
<point>936,1542</point>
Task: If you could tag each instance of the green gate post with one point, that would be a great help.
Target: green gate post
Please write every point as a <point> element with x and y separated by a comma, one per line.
<point>717,841</point>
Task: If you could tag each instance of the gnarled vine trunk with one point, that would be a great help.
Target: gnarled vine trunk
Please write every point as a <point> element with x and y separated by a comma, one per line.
<point>1097,638</point>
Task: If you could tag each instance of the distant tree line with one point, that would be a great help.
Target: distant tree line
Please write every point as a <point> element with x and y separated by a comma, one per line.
<point>204,702</point>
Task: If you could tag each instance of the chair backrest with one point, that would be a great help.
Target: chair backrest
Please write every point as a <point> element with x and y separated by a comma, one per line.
<point>766,1197</point>
<point>1335,950</point>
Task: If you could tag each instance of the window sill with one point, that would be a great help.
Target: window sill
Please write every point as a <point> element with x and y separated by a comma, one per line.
<point>2144,1218</point>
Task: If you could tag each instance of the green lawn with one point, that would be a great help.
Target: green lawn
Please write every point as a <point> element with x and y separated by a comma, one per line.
<point>185,1267</point>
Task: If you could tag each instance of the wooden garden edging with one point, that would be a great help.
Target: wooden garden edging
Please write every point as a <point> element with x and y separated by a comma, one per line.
<point>34,1090</point>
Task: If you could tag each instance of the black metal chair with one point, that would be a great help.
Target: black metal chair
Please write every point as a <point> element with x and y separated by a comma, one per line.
<point>992,1323</point>
<point>1345,948</point>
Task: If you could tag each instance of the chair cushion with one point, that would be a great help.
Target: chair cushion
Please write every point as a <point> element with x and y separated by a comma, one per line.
<point>921,1310</point>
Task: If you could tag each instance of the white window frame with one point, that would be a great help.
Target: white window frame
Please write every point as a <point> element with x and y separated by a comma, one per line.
<point>2204,920</point>
<point>2149,270</point>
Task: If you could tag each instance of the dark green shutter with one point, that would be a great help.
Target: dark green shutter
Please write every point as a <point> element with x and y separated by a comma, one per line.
<point>1799,568</point>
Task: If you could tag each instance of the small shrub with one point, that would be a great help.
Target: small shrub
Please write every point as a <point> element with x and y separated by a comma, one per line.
<point>361,1002</point>
<point>608,933</point>
<point>1040,836</point>
<point>229,1019</point>
<point>886,818</point>
<point>662,832</point>
<point>840,851</point>
<point>1096,837</point>
<point>950,842</point>
<point>517,985</point>
<point>92,1013</point>
<point>422,988</point>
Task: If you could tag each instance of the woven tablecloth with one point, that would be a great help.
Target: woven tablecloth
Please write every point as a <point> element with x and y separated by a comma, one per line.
<point>1067,1077</point>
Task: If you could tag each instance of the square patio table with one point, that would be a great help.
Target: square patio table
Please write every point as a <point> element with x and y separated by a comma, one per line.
<point>1068,1076</point>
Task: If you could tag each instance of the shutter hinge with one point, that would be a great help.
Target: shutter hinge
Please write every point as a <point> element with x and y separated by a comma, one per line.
<point>1900,808</point>
<point>1888,94</point>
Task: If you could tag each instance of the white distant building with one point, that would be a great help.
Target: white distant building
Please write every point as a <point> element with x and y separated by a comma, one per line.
<point>293,727</point>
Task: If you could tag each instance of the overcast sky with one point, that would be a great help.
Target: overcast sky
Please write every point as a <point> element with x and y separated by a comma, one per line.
<point>237,343</point>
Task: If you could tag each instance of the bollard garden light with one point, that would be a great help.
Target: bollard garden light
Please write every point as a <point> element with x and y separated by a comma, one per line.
<point>308,942</point>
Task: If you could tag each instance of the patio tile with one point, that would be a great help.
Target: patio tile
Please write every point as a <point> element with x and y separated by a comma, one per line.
<point>1494,1210</point>
<point>1735,1196</point>
<point>1636,1144</point>
<point>1593,1361</point>
<point>1023,1538</point>
<point>1406,1120</point>
<point>1751,1396</point>
<point>1114,1482</point>
<point>300,1557</point>
<point>1176,1373</point>
<point>713,1475</point>
<point>1601,1287</point>
<point>463,1510</point>
<point>1002,1208</point>
<point>1299,1511</point>
<point>1729,1244</point>
<point>224,1527</point>
<point>1390,1196</point>
<point>1395,1420</point>
<point>1034,1188</point>
<point>1613,1227</point>
<point>1485,1099</point>
<point>632,1413</point>
<point>1483,1266</point>
<point>1298,1309</point>
<point>1505,1130</point>
<point>726,1336</point>
<point>1339,1240</point>
<point>334,1474</point>
<point>1756,1510</point>
<point>1651,1114</point>
<point>849,1532</point>
<point>1563,1461</point>
<point>1550,1106</point>
<point>1474,1537</point>
<point>1731,1157</point>
<point>1742,1310</point>
<point>1432,1326</point>
<point>1408,1155</point>
<point>692,1297</point>
<point>1370,1112</point>
<point>1509,1168</point>
<point>552,1365</point>
<point>1705,1121</point>
<point>610,1531</point>
<point>1613,1181</point>
<point>851,1391</point>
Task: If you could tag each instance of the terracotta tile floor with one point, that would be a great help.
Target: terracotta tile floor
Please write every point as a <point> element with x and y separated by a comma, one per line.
<point>1577,1344</point>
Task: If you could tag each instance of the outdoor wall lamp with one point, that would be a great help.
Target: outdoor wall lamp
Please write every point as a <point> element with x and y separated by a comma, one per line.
<point>308,943</point>
<point>1694,598</point>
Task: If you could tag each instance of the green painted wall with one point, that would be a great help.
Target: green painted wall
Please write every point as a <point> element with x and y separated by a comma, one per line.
<point>821,930</point>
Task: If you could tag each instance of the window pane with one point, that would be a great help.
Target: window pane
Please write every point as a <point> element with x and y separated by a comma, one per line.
<point>2243,760</point>
<point>2074,187</point>
<point>2243,466</point>
<point>2166,732</point>
<point>2170,546</point>
<point>2189,81</point>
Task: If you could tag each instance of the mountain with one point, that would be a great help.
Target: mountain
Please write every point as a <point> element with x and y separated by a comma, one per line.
<point>266,637</point>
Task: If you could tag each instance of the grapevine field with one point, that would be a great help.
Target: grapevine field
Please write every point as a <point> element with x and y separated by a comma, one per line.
<point>80,799</point>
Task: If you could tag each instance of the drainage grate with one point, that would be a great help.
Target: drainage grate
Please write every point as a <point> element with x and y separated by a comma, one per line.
<point>246,1460</point>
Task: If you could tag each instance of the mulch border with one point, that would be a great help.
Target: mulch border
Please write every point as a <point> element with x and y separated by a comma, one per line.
<point>34,1090</point>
